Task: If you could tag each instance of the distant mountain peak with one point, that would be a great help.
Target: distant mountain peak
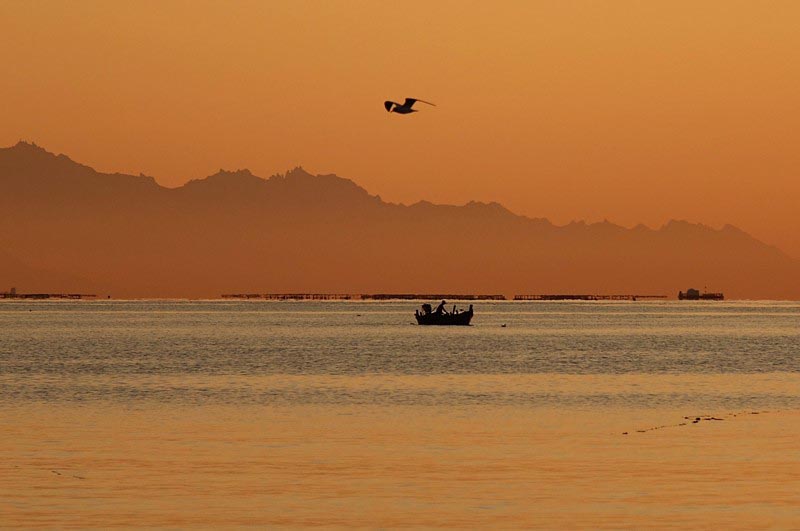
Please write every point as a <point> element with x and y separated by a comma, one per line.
<point>243,173</point>
<point>28,151</point>
<point>608,226</point>
<point>26,157</point>
<point>307,183</point>
<point>29,148</point>
<point>492,207</point>
<point>679,224</point>
<point>298,171</point>
<point>733,229</point>
<point>483,204</point>
<point>25,144</point>
<point>242,178</point>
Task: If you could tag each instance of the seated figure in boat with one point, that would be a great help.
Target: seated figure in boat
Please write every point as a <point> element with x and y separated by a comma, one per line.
<point>442,317</point>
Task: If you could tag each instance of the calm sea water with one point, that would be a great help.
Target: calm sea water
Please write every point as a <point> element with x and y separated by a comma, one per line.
<point>219,414</point>
<point>367,353</point>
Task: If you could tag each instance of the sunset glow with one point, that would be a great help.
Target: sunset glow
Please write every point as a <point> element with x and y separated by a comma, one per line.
<point>630,111</point>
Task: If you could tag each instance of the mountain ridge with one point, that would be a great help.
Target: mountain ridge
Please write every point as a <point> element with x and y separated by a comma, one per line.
<point>304,232</point>
<point>245,176</point>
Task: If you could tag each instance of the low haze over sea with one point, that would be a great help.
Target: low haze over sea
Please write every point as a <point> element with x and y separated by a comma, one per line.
<point>253,413</point>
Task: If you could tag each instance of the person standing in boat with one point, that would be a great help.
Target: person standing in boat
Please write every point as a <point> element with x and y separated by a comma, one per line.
<point>440,309</point>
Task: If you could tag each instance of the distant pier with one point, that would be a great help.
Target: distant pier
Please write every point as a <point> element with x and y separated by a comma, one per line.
<point>362,296</point>
<point>41,296</point>
<point>571,297</point>
<point>434,296</point>
<point>292,296</point>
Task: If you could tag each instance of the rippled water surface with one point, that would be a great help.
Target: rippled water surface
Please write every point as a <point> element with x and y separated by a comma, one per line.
<point>279,352</point>
<point>239,414</point>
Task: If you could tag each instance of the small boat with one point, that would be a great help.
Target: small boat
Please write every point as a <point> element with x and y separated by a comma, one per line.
<point>427,317</point>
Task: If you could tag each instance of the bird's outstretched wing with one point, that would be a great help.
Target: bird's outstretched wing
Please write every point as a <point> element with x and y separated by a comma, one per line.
<point>411,101</point>
<point>388,104</point>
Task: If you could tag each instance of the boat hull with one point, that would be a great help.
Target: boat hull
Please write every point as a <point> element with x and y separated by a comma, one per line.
<point>449,319</point>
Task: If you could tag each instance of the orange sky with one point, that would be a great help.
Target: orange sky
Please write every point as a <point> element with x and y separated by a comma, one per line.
<point>631,111</point>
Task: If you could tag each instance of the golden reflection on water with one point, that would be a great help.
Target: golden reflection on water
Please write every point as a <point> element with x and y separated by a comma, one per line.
<point>101,466</point>
<point>225,415</point>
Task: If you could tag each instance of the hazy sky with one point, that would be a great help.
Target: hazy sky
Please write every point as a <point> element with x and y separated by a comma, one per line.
<point>632,111</point>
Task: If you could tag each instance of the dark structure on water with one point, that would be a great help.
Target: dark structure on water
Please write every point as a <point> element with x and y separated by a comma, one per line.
<point>12,294</point>
<point>578,297</point>
<point>695,295</point>
<point>361,296</point>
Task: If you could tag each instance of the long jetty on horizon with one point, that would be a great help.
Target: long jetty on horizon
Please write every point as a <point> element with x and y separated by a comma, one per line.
<point>431,296</point>
<point>42,296</point>
<point>362,296</point>
<point>568,297</point>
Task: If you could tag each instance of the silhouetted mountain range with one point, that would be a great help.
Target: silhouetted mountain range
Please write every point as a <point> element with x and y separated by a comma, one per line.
<point>66,227</point>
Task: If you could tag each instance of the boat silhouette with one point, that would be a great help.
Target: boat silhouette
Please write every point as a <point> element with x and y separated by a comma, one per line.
<point>427,317</point>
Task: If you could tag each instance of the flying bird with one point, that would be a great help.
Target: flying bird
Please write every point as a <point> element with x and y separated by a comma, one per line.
<point>405,108</point>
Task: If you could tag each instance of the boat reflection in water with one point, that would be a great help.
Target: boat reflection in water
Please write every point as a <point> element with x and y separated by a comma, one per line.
<point>442,317</point>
